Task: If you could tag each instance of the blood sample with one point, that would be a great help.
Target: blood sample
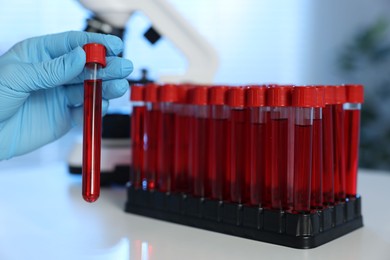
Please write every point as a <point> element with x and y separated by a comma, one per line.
<point>339,144</point>
<point>328,146</point>
<point>304,99</point>
<point>199,156</point>
<point>256,102</point>
<point>282,137</point>
<point>137,135</point>
<point>316,201</point>
<point>180,182</point>
<point>219,164</point>
<point>240,138</point>
<point>166,139</point>
<point>354,99</point>
<point>95,61</point>
<point>150,138</point>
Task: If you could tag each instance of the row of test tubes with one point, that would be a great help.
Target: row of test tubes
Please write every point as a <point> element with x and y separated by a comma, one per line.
<point>283,147</point>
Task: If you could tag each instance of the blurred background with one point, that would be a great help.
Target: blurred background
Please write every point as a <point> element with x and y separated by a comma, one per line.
<point>257,41</point>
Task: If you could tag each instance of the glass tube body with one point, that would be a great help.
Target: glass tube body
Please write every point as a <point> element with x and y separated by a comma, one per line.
<point>328,155</point>
<point>92,127</point>
<point>339,153</point>
<point>317,161</point>
<point>351,137</point>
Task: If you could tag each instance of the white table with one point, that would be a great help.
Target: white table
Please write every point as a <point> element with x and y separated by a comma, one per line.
<point>43,216</point>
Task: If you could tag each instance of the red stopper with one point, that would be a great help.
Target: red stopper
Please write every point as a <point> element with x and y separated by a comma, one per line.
<point>236,97</point>
<point>200,95</point>
<point>279,96</point>
<point>217,95</point>
<point>255,96</point>
<point>355,93</point>
<point>137,93</point>
<point>151,91</point>
<point>329,95</point>
<point>307,96</point>
<point>95,53</point>
<point>168,93</point>
<point>340,96</point>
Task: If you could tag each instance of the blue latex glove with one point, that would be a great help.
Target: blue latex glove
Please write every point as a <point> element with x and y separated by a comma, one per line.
<point>41,88</point>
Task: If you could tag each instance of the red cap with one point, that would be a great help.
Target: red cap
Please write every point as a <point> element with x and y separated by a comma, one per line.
<point>340,96</point>
<point>355,93</point>
<point>279,96</point>
<point>137,93</point>
<point>329,95</point>
<point>151,91</point>
<point>183,93</point>
<point>307,96</point>
<point>236,97</point>
<point>255,96</point>
<point>95,53</point>
<point>167,93</point>
<point>217,95</point>
<point>199,95</point>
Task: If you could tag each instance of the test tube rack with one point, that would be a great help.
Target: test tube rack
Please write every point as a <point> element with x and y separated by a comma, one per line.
<point>308,201</point>
<point>278,227</point>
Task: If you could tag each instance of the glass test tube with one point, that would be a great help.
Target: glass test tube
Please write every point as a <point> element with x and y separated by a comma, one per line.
<point>339,142</point>
<point>355,97</point>
<point>282,149</point>
<point>199,157</point>
<point>219,164</point>
<point>150,138</point>
<point>180,182</point>
<point>316,201</point>
<point>240,138</point>
<point>256,102</point>
<point>166,139</point>
<point>95,61</point>
<point>328,146</point>
<point>304,99</point>
<point>137,135</point>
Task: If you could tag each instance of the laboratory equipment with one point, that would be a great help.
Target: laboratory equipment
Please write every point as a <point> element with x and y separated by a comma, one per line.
<point>95,61</point>
<point>238,204</point>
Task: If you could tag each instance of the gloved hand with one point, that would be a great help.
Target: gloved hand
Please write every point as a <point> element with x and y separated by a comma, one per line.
<point>41,87</point>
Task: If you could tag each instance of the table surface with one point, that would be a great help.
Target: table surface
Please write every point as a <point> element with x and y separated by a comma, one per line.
<point>43,216</point>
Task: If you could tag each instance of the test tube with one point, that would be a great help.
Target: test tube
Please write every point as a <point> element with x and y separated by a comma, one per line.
<point>303,99</point>
<point>339,144</point>
<point>256,102</point>
<point>282,149</point>
<point>92,126</point>
<point>352,107</point>
<point>166,139</point>
<point>137,135</point>
<point>150,138</point>
<point>219,166</point>
<point>316,201</point>
<point>180,182</point>
<point>328,146</point>
<point>239,138</point>
<point>199,147</point>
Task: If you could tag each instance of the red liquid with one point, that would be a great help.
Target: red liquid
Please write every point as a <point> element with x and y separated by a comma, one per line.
<point>266,189</point>
<point>92,134</point>
<point>317,167</point>
<point>240,159</point>
<point>166,151</point>
<point>352,129</point>
<point>302,167</point>
<point>199,158</point>
<point>180,174</point>
<point>328,153</point>
<point>219,159</point>
<point>137,137</point>
<point>339,153</point>
<point>259,162</point>
<point>279,171</point>
<point>152,125</point>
